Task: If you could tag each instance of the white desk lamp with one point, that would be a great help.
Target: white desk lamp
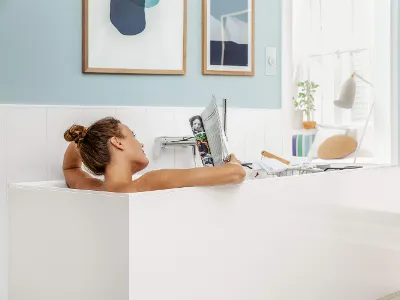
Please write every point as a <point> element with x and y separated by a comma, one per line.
<point>346,100</point>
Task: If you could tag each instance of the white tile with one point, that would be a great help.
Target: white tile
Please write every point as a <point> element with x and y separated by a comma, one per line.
<point>181,125</point>
<point>254,121</point>
<point>184,158</point>
<point>134,118</point>
<point>273,132</point>
<point>26,144</point>
<point>90,115</point>
<point>159,122</point>
<point>58,121</point>
<point>236,132</point>
<point>251,131</point>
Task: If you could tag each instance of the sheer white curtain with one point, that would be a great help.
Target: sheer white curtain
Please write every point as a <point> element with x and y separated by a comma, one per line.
<point>331,40</point>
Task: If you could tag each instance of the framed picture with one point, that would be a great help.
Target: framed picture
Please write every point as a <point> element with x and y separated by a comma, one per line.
<point>134,36</point>
<point>228,37</point>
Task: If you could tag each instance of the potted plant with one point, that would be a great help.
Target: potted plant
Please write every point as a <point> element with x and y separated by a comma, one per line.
<point>305,102</point>
<point>297,117</point>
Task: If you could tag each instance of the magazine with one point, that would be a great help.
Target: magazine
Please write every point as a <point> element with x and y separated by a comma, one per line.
<point>210,136</point>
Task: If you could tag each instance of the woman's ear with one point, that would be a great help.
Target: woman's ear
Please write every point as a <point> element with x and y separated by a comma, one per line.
<point>116,142</point>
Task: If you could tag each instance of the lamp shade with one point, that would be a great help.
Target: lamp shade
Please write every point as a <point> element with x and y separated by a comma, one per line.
<point>347,94</point>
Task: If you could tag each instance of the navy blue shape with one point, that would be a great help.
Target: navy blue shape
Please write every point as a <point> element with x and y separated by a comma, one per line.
<point>128,16</point>
<point>235,54</point>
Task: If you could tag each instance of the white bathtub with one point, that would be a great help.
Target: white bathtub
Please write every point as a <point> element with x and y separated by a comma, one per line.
<point>264,239</point>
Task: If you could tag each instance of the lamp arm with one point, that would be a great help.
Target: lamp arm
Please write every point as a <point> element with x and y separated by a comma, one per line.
<point>366,123</point>
<point>363,79</point>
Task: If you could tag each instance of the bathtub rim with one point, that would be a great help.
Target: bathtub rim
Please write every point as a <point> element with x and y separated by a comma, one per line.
<point>40,185</point>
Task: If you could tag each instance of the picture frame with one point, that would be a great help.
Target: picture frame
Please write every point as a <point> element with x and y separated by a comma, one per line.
<point>228,37</point>
<point>134,36</point>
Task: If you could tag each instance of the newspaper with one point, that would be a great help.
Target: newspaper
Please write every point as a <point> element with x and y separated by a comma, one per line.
<point>210,136</point>
<point>200,135</point>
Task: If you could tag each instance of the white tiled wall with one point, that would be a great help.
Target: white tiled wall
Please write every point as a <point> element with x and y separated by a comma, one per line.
<point>26,144</point>
<point>32,143</point>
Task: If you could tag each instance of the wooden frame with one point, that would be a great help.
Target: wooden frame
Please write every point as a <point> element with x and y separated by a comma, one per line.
<point>205,60</point>
<point>85,49</point>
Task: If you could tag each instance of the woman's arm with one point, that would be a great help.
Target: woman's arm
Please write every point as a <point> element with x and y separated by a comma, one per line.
<point>75,177</point>
<point>168,179</point>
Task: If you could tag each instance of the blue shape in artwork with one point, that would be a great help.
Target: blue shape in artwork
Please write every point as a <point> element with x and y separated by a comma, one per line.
<point>151,3</point>
<point>234,55</point>
<point>128,16</point>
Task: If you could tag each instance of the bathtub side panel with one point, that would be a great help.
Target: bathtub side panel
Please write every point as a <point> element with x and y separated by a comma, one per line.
<point>68,245</point>
<point>268,240</point>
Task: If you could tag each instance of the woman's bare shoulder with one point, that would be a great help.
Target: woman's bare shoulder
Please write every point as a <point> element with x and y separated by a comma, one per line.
<point>143,183</point>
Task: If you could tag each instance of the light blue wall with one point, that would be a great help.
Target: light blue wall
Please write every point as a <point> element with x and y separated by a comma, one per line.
<point>40,62</point>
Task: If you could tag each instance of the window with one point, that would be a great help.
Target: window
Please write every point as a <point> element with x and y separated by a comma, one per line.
<point>331,40</point>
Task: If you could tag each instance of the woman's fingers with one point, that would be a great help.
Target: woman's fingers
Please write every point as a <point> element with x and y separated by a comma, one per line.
<point>233,158</point>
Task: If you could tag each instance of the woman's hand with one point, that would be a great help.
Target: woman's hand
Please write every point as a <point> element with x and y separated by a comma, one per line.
<point>234,160</point>
<point>238,171</point>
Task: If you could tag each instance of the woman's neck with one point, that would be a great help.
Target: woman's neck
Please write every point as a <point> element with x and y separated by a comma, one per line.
<point>118,173</point>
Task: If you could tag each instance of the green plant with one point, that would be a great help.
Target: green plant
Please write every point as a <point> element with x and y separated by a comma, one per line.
<point>305,98</point>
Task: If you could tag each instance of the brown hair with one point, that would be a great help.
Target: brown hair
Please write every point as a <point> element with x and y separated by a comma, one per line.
<point>93,142</point>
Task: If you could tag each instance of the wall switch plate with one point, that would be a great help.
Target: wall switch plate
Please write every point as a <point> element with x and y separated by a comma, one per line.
<point>270,61</point>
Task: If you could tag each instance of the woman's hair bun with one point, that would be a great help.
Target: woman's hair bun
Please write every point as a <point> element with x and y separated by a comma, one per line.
<point>76,133</point>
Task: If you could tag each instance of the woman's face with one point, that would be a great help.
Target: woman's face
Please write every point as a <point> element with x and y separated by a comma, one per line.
<point>197,125</point>
<point>134,149</point>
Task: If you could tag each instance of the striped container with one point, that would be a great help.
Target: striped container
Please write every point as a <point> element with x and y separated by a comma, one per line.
<point>301,144</point>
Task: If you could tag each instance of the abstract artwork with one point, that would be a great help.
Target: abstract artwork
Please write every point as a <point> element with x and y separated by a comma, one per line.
<point>134,36</point>
<point>228,37</point>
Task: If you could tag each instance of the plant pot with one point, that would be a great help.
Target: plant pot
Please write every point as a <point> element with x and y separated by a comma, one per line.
<point>309,124</point>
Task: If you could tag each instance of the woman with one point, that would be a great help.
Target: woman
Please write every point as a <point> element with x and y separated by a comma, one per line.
<point>110,148</point>
<point>197,124</point>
